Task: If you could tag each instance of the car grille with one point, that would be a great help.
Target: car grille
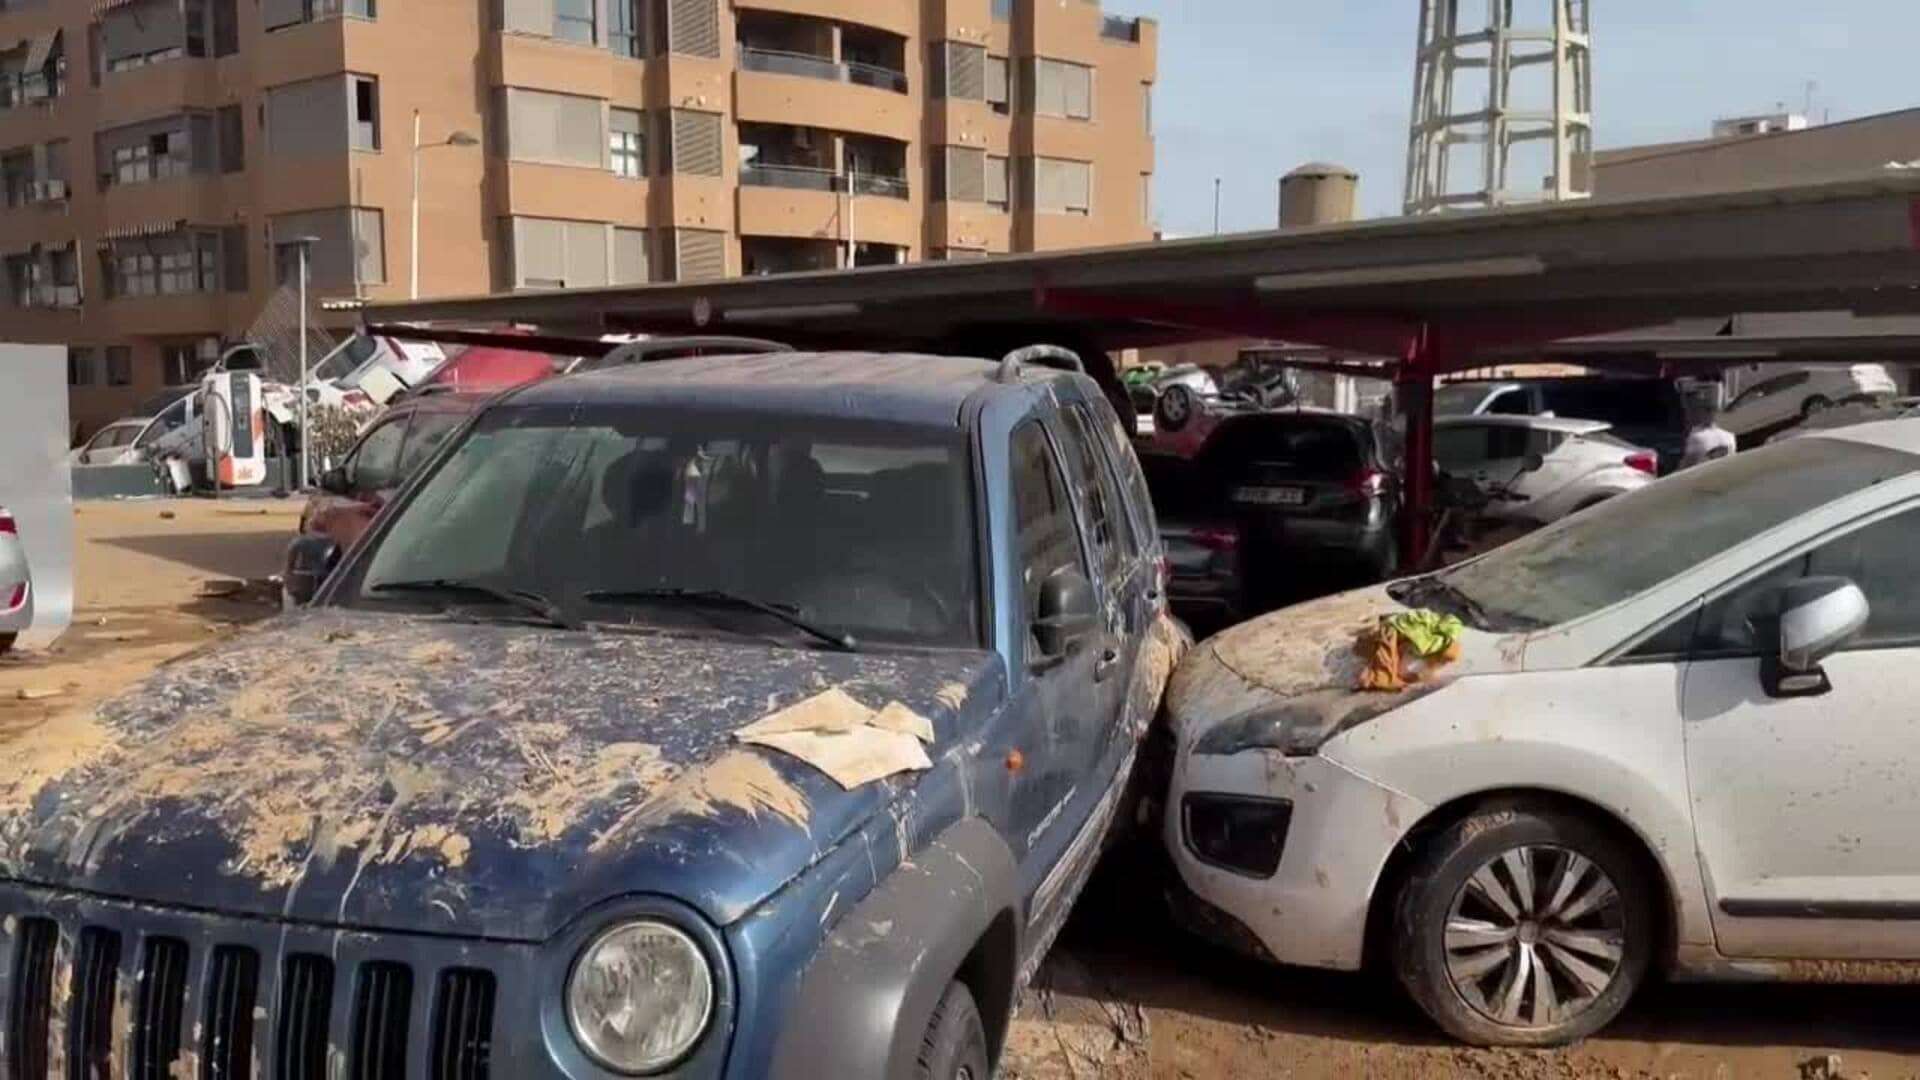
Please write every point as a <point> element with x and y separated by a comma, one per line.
<point>215,1009</point>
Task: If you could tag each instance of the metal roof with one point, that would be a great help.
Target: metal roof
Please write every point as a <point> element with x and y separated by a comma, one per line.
<point>896,387</point>
<point>1533,273</point>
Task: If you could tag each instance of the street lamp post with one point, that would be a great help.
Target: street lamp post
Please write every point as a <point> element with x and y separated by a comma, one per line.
<point>305,244</point>
<point>458,138</point>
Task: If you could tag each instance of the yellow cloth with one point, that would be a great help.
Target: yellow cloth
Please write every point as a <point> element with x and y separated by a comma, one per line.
<point>1428,632</point>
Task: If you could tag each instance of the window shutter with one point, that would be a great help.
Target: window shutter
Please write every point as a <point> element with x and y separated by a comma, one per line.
<point>996,80</point>
<point>997,180</point>
<point>233,258</point>
<point>275,14</point>
<point>142,27</point>
<point>580,138</point>
<point>966,71</point>
<point>233,145</point>
<point>308,118</point>
<point>586,254</point>
<point>629,256</point>
<point>1077,85</point>
<point>201,146</point>
<point>696,143</point>
<point>966,174</point>
<point>370,245</point>
<point>523,16</point>
<point>700,254</point>
<point>539,252</point>
<point>693,27</point>
<point>331,260</point>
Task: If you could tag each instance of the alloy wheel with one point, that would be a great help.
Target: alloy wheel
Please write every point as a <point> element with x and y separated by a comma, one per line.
<point>1535,936</point>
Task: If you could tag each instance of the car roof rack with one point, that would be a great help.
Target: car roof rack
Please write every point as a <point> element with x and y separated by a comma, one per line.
<point>1048,356</point>
<point>679,347</point>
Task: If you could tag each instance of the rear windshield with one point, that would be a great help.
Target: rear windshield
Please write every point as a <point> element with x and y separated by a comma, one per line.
<point>1309,445</point>
<point>1458,399</point>
<point>1644,403</point>
<point>864,527</point>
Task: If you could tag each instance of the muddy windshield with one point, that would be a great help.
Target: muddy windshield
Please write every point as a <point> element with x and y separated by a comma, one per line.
<point>694,521</point>
<point>1628,545</point>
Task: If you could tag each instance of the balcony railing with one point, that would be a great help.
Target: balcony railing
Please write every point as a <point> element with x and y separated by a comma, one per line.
<point>798,177</point>
<point>892,187</point>
<point>875,76</point>
<point>1119,28</point>
<point>809,66</point>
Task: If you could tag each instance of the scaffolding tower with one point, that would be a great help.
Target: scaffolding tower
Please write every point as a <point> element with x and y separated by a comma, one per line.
<point>1453,56</point>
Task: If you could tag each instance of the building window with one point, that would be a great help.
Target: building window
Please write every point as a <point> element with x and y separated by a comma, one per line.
<point>961,175</point>
<point>959,70</point>
<point>348,247</point>
<point>630,256</point>
<point>23,280</point>
<point>366,111</point>
<point>997,182</point>
<point>573,20</point>
<point>1146,107</point>
<point>119,365</point>
<point>80,367</point>
<point>626,143</point>
<point>1062,89</point>
<point>549,253</point>
<point>626,35</point>
<point>696,143</point>
<point>1002,10</point>
<point>560,129</point>
<point>180,365</point>
<point>1062,187</point>
<point>997,84</point>
<point>63,266</point>
<point>1146,198</point>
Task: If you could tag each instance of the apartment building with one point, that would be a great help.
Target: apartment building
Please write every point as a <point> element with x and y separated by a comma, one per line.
<point>164,162</point>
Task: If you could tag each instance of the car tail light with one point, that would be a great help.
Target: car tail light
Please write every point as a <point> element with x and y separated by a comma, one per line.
<point>1217,538</point>
<point>1645,462</point>
<point>355,399</point>
<point>1368,482</point>
<point>7,525</point>
<point>17,597</point>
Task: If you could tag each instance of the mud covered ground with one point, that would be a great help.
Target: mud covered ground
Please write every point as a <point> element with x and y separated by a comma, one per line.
<point>1125,995</point>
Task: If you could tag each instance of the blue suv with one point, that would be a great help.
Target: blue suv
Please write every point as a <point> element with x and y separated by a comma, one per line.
<point>733,716</point>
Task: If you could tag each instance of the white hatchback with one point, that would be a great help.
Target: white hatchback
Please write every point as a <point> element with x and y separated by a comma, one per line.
<point>16,583</point>
<point>1580,464</point>
<point>1680,734</point>
<point>1793,396</point>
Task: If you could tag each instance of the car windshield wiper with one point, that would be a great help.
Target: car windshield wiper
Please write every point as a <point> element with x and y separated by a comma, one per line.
<point>839,639</point>
<point>526,600</point>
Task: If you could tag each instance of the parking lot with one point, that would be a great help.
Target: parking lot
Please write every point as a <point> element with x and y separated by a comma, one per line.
<point>1124,994</point>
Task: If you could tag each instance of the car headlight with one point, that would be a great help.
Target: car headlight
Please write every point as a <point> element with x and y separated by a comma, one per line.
<point>640,996</point>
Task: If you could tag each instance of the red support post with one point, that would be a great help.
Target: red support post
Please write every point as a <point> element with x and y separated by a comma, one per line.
<point>1413,393</point>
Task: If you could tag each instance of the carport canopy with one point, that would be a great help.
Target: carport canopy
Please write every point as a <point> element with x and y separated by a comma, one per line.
<point>1427,296</point>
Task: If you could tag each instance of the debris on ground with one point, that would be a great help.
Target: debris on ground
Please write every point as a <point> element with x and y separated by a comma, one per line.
<point>1070,1025</point>
<point>39,693</point>
<point>1822,1067</point>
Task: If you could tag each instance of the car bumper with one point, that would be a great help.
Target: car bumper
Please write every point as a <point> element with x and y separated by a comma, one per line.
<point>1312,911</point>
<point>15,617</point>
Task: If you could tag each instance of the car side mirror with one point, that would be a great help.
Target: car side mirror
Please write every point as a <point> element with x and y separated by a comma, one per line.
<point>336,482</point>
<point>1068,614</point>
<point>309,560</point>
<point>1818,617</point>
<point>1533,463</point>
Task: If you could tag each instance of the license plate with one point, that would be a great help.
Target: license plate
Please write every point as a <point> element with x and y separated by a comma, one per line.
<point>1271,496</point>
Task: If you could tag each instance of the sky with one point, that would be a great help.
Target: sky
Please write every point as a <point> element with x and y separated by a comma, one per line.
<point>1248,89</point>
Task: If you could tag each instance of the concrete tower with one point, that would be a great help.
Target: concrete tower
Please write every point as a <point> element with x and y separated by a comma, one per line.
<point>1531,137</point>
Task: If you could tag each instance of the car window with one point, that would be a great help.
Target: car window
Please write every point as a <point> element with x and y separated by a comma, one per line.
<point>1048,543</point>
<point>1087,433</point>
<point>1620,402</point>
<point>428,431</point>
<point>1876,557</point>
<point>1133,479</point>
<point>1457,446</point>
<point>1309,444</point>
<point>1458,399</point>
<point>1103,527</point>
<point>115,437</point>
<point>1510,403</point>
<point>1625,546</point>
<point>376,460</point>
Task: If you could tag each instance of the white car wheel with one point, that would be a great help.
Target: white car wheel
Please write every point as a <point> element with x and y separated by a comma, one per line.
<point>1174,409</point>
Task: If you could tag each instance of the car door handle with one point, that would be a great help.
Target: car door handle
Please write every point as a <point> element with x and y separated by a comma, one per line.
<point>1105,665</point>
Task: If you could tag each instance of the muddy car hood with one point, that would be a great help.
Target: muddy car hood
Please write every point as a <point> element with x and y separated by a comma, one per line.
<point>414,773</point>
<point>1288,680</point>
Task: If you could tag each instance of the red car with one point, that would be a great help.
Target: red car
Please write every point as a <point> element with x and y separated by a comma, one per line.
<point>388,452</point>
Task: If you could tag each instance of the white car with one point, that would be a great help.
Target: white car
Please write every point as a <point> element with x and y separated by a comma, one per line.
<point>1580,464</point>
<point>167,421</point>
<point>1679,735</point>
<point>1793,396</point>
<point>16,583</point>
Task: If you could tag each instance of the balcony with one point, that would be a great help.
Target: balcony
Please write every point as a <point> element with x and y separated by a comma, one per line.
<point>801,158</point>
<point>1119,28</point>
<point>793,177</point>
<point>809,66</point>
